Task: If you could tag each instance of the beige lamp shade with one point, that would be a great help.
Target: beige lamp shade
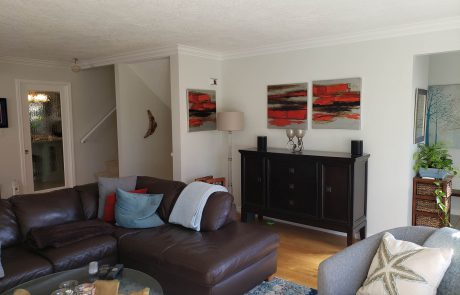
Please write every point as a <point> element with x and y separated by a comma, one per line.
<point>230,121</point>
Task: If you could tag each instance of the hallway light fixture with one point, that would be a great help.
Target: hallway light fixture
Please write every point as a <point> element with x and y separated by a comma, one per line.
<point>37,97</point>
<point>75,67</point>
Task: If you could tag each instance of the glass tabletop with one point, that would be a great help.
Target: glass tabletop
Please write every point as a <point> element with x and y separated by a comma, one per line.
<point>130,280</point>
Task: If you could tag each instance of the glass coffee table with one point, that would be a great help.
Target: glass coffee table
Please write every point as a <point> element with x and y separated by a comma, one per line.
<point>130,280</point>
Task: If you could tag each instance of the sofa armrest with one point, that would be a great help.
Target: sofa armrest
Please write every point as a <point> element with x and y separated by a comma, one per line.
<point>345,272</point>
<point>217,212</point>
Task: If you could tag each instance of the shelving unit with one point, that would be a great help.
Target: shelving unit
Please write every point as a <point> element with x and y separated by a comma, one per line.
<point>424,209</point>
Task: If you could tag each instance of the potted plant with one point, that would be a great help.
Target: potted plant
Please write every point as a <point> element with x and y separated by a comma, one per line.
<point>443,210</point>
<point>433,161</point>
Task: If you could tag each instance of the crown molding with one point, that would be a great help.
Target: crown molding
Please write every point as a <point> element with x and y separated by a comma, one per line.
<point>34,62</point>
<point>150,54</point>
<point>385,33</point>
<point>129,57</point>
<point>199,52</point>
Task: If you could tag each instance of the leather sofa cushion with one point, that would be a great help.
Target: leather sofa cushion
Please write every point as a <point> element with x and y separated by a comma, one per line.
<point>46,209</point>
<point>61,235</point>
<point>89,196</point>
<point>169,189</point>
<point>216,211</point>
<point>9,229</point>
<point>205,258</point>
<point>80,253</point>
<point>20,266</point>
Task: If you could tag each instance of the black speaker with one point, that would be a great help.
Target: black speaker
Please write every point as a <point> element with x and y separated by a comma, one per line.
<point>262,143</point>
<point>356,147</point>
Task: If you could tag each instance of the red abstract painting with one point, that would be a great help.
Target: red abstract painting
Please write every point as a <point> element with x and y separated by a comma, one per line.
<point>201,110</point>
<point>337,104</point>
<point>287,106</point>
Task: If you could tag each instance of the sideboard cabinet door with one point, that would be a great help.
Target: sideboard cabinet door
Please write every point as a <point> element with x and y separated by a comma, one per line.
<point>253,179</point>
<point>335,191</point>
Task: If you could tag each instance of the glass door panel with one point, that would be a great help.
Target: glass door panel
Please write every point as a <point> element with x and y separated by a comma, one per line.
<point>44,109</point>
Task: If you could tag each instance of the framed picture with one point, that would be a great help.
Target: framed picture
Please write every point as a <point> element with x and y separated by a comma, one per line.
<point>443,115</point>
<point>3,113</point>
<point>420,115</point>
<point>287,106</point>
<point>337,104</point>
<point>201,106</point>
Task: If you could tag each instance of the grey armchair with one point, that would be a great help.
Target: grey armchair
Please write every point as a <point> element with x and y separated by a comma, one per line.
<point>345,272</point>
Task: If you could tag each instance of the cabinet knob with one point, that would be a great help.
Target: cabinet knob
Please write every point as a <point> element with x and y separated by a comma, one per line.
<point>291,203</point>
<point>291,186</point>
<point>291,171</point>
<point>328,189</point>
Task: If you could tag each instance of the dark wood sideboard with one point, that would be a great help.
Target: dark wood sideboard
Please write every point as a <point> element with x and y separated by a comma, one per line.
<point>320,189</point>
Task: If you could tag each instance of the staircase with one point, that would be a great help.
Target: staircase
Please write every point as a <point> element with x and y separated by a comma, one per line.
<point>111,169</point>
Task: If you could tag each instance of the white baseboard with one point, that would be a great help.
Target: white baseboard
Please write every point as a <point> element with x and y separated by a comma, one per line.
<point>307,226</point>
<point>301,225</point>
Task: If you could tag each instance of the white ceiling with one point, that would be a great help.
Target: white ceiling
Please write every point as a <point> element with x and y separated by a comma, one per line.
<point>89,29</point>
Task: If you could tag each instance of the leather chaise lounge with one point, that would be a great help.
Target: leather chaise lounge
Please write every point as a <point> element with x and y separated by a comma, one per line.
<point>229,258</point>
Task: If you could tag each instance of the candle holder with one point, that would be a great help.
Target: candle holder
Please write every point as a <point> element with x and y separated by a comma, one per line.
<point>295,146</point>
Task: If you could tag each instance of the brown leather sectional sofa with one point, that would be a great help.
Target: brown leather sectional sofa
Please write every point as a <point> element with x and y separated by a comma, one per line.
<point>230,258</point>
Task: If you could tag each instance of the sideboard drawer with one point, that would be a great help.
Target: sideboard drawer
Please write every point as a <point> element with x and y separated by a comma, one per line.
<point>292,185</point>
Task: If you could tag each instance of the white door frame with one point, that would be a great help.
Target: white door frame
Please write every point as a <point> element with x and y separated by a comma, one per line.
<point>22,87</point>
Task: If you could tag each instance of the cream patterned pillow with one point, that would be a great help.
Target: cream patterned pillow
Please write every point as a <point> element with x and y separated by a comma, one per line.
<point>401,267</point>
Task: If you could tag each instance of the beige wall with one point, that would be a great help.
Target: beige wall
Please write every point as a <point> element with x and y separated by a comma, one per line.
<point>93,95</point>
<point>141,87</point>
<point>196,154</point>
<point>386,68</point>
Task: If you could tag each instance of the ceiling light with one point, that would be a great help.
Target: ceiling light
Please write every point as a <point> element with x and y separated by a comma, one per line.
<point>75,66</point>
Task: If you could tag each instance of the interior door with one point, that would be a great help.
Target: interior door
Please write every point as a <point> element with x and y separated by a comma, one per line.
<point>47,147</point>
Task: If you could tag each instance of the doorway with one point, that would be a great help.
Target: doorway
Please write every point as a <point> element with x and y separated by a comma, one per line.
<point>46,139</point>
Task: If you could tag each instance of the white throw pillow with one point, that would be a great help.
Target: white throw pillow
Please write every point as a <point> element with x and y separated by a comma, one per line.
<point>401,267</point>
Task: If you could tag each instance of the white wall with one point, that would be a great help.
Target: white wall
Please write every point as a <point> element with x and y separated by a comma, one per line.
<point>140,87</point>
<point>445,69</point>
<point>93,95</point>
<point>386,69</point>
<point>196,154</point>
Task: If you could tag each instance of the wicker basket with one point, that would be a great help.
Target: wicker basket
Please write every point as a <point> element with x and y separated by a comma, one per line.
<point>427,189</point>
<point>429,206</point>
<point>428,221</point>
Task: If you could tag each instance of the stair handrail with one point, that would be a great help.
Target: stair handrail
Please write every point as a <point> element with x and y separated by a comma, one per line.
<point>84,138</point>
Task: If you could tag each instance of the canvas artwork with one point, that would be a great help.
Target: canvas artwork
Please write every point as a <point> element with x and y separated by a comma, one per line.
<point>201,110</point>
<point>287,106</point>
<point>337,104</point>
<point>443,115</point>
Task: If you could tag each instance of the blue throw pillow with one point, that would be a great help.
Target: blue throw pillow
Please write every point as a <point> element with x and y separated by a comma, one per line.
<point>137,210</point>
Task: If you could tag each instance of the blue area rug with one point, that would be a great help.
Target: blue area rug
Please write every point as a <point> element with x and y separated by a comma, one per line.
<point>279,286</point>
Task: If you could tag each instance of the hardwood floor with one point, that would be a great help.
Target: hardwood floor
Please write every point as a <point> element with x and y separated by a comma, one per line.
<point>302,250</point>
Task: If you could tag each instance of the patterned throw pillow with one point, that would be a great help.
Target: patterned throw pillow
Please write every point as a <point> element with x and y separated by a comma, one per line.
<point>401,267</point>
